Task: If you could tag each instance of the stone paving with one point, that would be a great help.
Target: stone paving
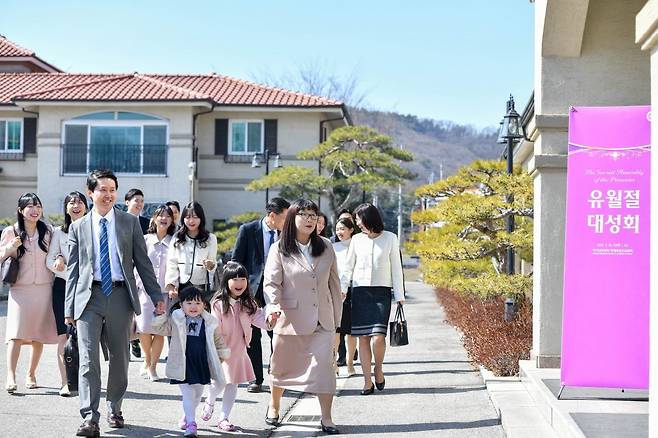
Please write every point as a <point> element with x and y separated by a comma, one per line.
<point>432,390</point>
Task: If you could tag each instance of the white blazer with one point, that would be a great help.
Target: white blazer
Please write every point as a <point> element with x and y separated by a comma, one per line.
<point>179,261</point>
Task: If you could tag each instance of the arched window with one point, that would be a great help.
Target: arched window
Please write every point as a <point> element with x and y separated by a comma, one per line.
<point>126,142</point>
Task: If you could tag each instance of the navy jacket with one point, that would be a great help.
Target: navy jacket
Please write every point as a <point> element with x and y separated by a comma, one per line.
<point>248,251</point>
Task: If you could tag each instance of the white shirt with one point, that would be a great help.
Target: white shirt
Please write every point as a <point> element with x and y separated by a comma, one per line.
<point>59,245</point>
<point>115,262</point>
<point>306,251</point>
<point>373,262</point>
<point>266,238</point>
<point>340,248</point>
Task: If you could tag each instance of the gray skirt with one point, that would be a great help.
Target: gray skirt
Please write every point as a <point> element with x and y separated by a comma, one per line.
<point>371,309</point>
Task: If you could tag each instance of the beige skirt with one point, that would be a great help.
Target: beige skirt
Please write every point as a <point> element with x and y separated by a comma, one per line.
<point>30,314</point>
<point>304,362</point>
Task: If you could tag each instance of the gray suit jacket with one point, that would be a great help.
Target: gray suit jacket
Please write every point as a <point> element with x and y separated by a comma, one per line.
<point>132,253</point>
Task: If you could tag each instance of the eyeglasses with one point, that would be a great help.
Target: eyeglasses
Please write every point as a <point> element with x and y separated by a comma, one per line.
<point>308,216</point>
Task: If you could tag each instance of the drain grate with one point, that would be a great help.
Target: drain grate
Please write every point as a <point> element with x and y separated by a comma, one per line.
<point>304,418</point>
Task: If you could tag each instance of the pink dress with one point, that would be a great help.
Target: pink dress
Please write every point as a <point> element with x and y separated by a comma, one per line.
<point>29,309</point>
<point>157,252</point>
<point>235,327</point>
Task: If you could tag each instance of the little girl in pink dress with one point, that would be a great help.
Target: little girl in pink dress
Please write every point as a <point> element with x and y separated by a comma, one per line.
<point>236,311</point>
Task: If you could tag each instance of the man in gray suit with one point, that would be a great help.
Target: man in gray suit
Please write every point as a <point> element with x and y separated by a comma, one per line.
<point>101,296</point>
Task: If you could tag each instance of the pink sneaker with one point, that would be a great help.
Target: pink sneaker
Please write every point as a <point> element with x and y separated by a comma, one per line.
<point>226,426</point>
<point>208,409</point>
<point>182,424</point>
<point>190,430</point>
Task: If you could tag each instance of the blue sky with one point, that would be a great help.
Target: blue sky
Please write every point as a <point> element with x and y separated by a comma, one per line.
<point>447,60</point>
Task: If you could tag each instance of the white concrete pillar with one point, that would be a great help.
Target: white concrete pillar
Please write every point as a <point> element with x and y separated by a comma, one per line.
<point>647,37</point>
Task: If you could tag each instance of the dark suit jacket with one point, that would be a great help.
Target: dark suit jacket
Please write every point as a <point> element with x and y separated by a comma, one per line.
<point>248,251</point>
<point>144,223</point>
<point>132,253</point>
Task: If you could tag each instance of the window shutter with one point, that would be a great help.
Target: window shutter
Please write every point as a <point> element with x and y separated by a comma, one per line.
<point>221,136</point>
<point>29,135</point>
<point>271,135</point>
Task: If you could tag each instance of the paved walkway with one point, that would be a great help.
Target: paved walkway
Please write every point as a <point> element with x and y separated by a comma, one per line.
<point>432,390</point>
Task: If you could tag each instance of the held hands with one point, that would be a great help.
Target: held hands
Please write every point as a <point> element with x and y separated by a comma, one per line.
<point>59,264</point>
<point>160,308</point>
<point>272,318</point>
<point>173,291</point>
<point>209,264</point>
<point>69,321</point>
<point>401,302</point>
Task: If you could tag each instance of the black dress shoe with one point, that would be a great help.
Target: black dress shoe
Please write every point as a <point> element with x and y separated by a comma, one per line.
<point>368,391</point>
<point>135,348</point>
<point>341,362</point>
<point>255,387</point>
<point>271,421</point>
<point>380,385</point>
<point>329,430</point>
<point>89,429</point>
<point>115,421</point>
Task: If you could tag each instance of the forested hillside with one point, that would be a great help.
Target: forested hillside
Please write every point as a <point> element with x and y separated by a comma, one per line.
<point>433,142</point>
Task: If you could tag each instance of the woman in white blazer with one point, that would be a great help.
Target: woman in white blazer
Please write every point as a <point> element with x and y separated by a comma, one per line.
<point>191,258</point>
<point>374,267</point>
<point>75,206</point>
<point>301,281</point>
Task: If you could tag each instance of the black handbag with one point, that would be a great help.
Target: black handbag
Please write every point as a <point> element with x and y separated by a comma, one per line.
<point>71,358</point>
<point>399,333</point>
<point>10,269</point>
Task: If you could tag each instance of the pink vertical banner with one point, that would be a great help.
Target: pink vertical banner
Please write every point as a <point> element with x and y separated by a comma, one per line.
<point>605,327</point>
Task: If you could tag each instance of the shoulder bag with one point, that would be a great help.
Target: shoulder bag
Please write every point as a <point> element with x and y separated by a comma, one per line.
<point>10,268</point>
<point>399,333</point>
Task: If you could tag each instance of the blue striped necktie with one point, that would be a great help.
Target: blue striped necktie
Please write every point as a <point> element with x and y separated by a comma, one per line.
<point>106,270</point>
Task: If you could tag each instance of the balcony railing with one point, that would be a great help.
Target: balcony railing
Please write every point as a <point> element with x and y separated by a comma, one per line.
<point>125,158</point>
<point>11,156</point>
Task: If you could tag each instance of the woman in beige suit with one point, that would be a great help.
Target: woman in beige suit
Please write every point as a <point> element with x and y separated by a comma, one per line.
<point>301,281</point>
<point>30,318</point>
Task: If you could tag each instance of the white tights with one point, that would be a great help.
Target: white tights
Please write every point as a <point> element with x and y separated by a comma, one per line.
<point>191,398</point>
<point>228,399</point>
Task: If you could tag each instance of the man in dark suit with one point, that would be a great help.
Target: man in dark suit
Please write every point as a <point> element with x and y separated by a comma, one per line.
<point>251,248</point>
<point>106,246</point>
<point>135,204</point>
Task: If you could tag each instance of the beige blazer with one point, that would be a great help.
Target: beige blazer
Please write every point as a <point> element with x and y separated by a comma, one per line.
<point>305,294</point>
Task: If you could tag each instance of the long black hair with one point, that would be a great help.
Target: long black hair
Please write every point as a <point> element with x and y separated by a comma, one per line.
<point>25,200</point>
<point>326,224</point>
<point>153,227</point>
<point>235,270</point>
<point>288,242</point>
<point>202,237</point>
<point>67,217</point>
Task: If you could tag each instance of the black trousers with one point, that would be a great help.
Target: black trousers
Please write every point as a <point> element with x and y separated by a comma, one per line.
<point>255,350</point>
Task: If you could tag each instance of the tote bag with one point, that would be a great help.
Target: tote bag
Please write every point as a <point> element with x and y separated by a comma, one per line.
<point>398,327</point>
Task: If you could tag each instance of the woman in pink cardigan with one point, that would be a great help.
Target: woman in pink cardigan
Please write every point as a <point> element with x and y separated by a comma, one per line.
<point>30,317</point>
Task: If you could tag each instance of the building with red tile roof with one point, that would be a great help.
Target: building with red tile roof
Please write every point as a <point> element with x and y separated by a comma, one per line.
<point>176,137</point>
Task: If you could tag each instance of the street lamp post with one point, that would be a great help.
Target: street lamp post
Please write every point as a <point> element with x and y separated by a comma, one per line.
<point>256,162</point>
<point>511,132</point>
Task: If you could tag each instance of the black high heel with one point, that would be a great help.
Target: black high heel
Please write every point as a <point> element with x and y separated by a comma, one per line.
<point>368,391</point>
<point>271,421</point>
<point>329,430</point>
<point>379,385</point>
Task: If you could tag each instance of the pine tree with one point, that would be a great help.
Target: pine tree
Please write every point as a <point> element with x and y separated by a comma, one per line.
<point>464,245</point>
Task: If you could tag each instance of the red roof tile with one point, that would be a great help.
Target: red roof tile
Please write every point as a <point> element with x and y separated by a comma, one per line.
<point>220,90</point>
<point>8,48</point>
